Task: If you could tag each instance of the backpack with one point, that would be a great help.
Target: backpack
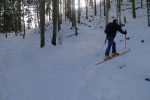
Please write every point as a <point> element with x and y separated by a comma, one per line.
<point>109,28</point>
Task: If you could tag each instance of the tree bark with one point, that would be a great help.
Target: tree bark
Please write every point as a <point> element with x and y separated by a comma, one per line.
<point>55,21</point>
<point>133,9</point>
<point>42,22</point>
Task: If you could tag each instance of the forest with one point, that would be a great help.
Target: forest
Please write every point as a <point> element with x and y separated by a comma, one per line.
<point>17,16</point>
<point>49,50</point>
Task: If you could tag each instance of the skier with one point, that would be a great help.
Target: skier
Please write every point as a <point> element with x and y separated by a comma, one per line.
<point>111,30</point>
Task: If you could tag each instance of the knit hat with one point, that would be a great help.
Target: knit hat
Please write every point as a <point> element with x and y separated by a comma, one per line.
<point>115,21</point>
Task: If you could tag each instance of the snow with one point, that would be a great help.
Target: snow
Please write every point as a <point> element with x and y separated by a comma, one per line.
<point>68,71</point>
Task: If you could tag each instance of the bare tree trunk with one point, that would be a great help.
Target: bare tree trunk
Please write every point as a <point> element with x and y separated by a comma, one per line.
<point>118,6</point>
<point>5,19</point>
<point>86,2</point>
<point>0,17</point>
<point>91,3</point>
<point>73,14</point>
<point>55,21</point>
<point>19,15</point>
<point>141,3</point>
<point>100,3</point>
<point>133,9</point>
<point>148,12</point>
<point>15,26</point>
<point>104,3</point>
<point>65,9</point>
<point>119,9</point>
<point>79,11</point>
<point>50,10</point>
<point>58,15</point>
<point>23,20</point>
<point>107,11</point>
<point>74,17</point>
<point>69,9</point>
<point>28,18</point>
<point>95,8</point>
<point>42,22</point>
<point>37,11</point>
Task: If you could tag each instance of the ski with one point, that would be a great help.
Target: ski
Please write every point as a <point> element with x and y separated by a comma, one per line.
<point>102,61</point>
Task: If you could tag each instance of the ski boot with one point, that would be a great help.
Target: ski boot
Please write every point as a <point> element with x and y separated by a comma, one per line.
<point>114,54</point>
<point>107,57</point>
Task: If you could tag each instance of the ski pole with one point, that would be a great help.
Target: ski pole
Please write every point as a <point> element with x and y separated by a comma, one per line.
<point>125,42</point>
<point>102,46</point>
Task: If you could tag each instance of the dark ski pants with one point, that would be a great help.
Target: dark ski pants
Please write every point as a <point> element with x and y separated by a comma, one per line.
<point>111,44</point>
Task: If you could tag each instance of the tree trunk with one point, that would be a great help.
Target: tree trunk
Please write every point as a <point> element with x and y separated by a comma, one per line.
<point>19,15</point>
<point>104,7</point>
<point>95,9</point>
<point>73,14</point>
<point>133,9</point>
<point>100,10</point>
<point>58,15</point>
<point>141,3</point>
<point>65,9</point>
<point>5,19</point>
<point>107,11</point>
<point>0,17</point>
<point>37,11</point>
<point>55,20</point>
<point>91,3</point>
<point>119,11</point>
<point>23,19</point>
<point>86,2</point>
<point>79,11</point>
<point>42,22</point>
<point>69,9</point>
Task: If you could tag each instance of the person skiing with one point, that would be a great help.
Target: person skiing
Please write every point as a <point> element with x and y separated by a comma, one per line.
<point>111,30</point>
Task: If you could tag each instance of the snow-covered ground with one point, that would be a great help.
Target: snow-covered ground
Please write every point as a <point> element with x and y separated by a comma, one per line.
<point>68,71</point>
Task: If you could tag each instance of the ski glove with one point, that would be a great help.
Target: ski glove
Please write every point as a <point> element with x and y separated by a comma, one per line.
<point>125,32</point>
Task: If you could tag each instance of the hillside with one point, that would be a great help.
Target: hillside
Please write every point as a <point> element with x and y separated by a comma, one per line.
<point>68,71</point>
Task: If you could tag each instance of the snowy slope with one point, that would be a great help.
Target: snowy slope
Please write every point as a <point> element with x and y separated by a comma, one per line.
<point>68,71</point>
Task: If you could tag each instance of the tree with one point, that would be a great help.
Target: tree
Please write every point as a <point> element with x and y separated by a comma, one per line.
<point>104,7</point>
<point>118,10</point>
<point>69,9</point>
<point>100,4</point>
<point>42,22</point>
<point>4,20</point>
<point>0,16</point>
<point>37,11</point>
<point>59,14</point>
<point>10,16</point>
<point>133,9</point>
<point>73,14</point>
<point>65,4</point>
<point>55,21</point>
<point>19,14</point>
<point>91,3</point>
<point>79,11</point>
<point>86,2</point>
<point>23,19</point>
<point>107,10</point>
<point>141,3</point>
<point>74,17</point>
<point>95,9</point>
